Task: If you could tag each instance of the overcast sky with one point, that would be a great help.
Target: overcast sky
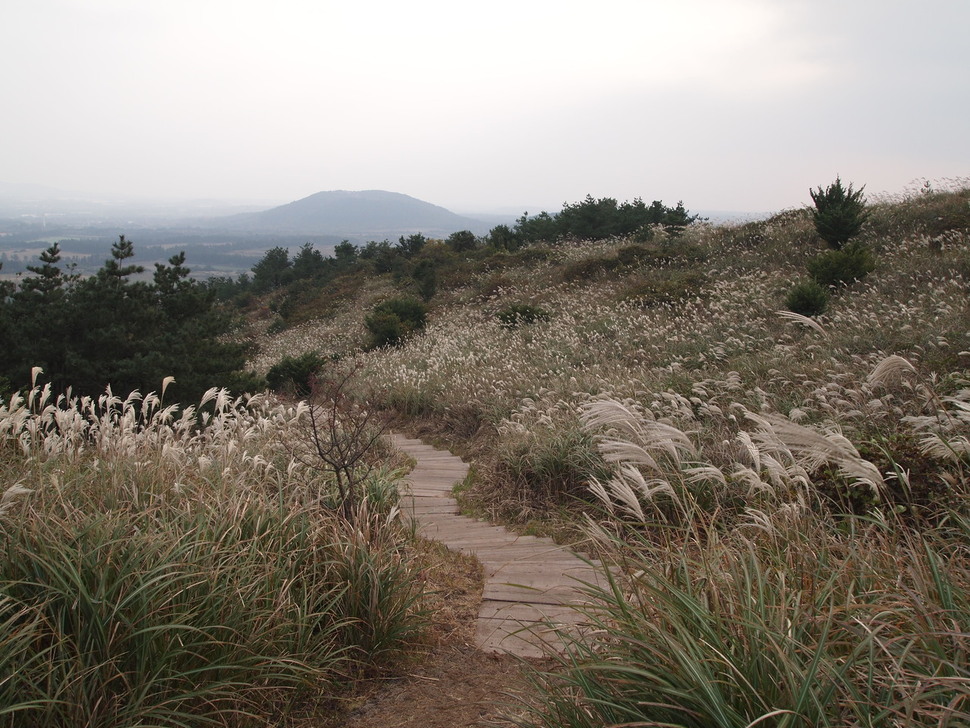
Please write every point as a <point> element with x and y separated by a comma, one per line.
<point>523,104</point>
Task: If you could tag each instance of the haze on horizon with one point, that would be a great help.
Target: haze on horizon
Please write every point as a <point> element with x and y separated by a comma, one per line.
<point>724,104</point>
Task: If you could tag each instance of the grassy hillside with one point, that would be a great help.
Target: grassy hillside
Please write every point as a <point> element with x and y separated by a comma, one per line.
<point>684,327</point>
<point>789,495</point>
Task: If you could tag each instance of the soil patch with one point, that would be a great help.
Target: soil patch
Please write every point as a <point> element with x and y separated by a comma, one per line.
<point>454,686</point>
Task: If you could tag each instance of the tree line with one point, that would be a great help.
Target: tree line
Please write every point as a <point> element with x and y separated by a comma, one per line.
<point>589,219</point>
<point>111,329</point>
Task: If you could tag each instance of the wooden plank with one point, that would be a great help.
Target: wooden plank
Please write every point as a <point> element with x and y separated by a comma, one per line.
<point>450,537</point>
<point>430,492</point>
<point>536,576</point>
<point>559,594</point>
<point>527,630</point>
<point>513,552</point>
<point>433,510</point>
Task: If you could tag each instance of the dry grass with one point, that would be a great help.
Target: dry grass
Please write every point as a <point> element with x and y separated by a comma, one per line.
<point>174,568</point>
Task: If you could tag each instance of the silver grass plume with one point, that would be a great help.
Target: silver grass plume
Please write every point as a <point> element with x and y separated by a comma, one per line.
<point>889,370</point>
<point>813,449</point>
<point>803,320</point>
<point>635,442</point>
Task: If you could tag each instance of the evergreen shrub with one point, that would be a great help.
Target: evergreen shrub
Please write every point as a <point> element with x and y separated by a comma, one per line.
<point>395,319</point>
<point>842,267</point>
<point>839,213</point>
<point>292,374</point>
<point>807,298</point>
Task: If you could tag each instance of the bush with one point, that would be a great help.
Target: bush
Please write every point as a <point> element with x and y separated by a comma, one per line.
<point>462,241</point>
<point>807,298</point>
<point>521,313</point>
<point>394,320</point>
<point>291,374</point>
<point>425,277</point>
<point>502,237</point>
<point>839,213</point>
<point>837,267</point>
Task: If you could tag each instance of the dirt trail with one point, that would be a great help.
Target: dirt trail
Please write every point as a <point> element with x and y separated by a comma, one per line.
<point>454,687</point>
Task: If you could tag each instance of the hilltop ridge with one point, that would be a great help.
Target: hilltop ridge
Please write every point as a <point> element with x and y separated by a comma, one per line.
<point>367,213</point>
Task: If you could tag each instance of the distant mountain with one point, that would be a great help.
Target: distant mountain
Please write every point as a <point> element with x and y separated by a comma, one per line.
<point>368,213</point>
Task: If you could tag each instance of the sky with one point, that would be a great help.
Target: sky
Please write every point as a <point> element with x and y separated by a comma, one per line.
<point>506,105</point>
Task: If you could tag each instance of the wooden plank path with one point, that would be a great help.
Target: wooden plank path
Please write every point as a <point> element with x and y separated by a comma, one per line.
<point>529,582</point>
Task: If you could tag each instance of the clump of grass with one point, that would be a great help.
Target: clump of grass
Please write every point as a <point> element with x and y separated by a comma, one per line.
<point>843,266</point>
<point>589,269</point>
<point>800,627</point>
<point>546,457</point>
<point>169,571</point>
<point>666,287</point>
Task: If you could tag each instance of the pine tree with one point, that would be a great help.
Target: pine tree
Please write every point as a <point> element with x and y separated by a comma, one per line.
<point>839,213</point>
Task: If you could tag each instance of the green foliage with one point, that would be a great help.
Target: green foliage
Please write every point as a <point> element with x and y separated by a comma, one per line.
<point>462,241</point>
<point>391,321</point>
<point>107,329</point>
<point>842,267</point>
<point>292,374</point>
<point>272,271</point>
<point>594,219</point>
<point>383,257</point>
<point>309,263</point>
<point>521,313</point>
<point>502,237</point>
<point>839,213</point>
<point>807,298</point>
<point>411,245</point>
<point>538,228</point>
<point>768,636</point>
<point>345,255</point>
<point>186,616</point>
<point>425,275</point>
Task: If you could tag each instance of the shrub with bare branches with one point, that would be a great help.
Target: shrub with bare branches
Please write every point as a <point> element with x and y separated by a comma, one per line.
<point>338,435</point>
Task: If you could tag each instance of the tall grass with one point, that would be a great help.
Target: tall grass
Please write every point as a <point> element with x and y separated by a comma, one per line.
<point>752,597</point>
<point>802,628</point>
<point>169,569</point>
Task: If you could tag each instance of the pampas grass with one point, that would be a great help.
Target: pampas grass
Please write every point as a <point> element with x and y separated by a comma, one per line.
<point>169,568</point>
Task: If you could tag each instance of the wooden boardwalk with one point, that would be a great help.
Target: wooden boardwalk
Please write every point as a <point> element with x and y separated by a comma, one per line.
<point>529,582</point>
